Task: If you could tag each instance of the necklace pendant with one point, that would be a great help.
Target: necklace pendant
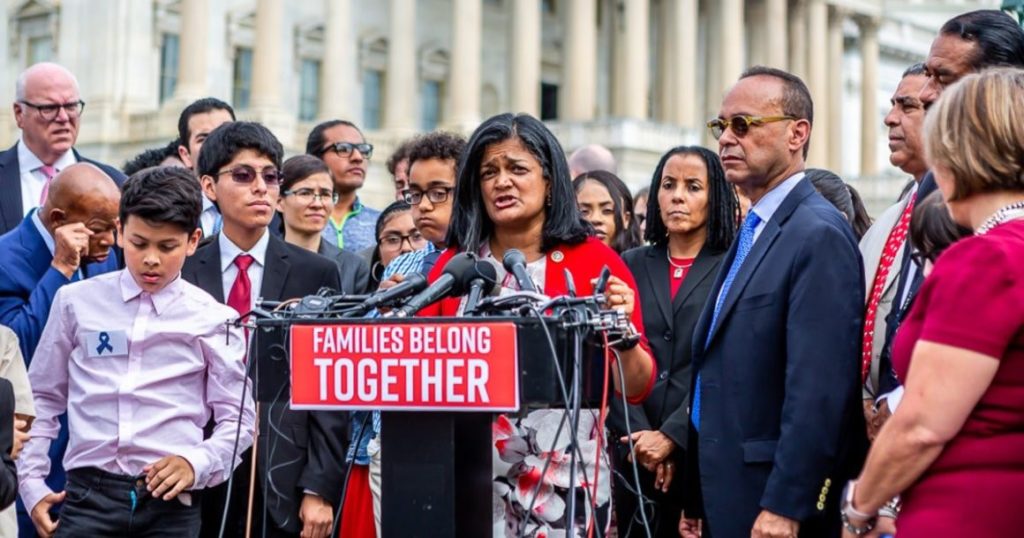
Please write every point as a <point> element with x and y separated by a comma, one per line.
<point>678,273</point>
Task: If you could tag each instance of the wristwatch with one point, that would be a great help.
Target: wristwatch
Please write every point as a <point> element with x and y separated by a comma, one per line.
<point>628,339</point>
<point>847,512</point>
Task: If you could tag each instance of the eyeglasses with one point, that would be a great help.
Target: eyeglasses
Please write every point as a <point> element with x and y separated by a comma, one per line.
<point>740,125</point>
<point>436,195</point>
<point>308,196</point>
<point>344,149</point>
<point>394,241</point>
<point>50,112</point>
<point>246,174</point>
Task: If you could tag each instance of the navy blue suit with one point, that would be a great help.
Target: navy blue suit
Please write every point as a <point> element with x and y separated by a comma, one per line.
<point>11,211</point>
<point>781,426</point>
<point>28,284</point>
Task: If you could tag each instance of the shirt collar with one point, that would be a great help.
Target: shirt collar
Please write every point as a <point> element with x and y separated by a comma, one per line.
<point>161,300</point>
<point>28,162</point>
<point>770,202</point>
<point>47,238</point>
<point>229,251</point>
<point>207,204</point>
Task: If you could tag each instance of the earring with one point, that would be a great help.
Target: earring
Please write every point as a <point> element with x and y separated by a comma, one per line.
<point>547,201</point>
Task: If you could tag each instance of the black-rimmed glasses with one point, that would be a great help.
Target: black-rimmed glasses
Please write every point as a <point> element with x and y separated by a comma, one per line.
<point>49,112</point>
<point>394,241</point>
<point>436,195</point>
<point>344,149</point>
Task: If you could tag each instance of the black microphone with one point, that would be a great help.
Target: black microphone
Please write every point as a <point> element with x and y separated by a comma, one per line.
<point>449,283</point>
<point>480,281</point>
<point>413,284</point>
<point>515,263</point>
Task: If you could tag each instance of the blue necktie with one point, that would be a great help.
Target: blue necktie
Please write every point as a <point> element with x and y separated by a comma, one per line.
<point>746,241</point>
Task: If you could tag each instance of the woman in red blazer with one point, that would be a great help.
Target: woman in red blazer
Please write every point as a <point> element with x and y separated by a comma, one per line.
<point>514,192</point>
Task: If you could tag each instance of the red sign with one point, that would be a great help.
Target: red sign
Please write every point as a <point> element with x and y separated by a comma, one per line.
<point>405,366</point>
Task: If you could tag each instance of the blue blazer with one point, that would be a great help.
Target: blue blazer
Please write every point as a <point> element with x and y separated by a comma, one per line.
<point>11,211</point>
<point>781,425</point>
<point>28,283</point>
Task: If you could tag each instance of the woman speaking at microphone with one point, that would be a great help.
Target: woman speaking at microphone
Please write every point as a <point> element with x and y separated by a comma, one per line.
<point>513,191</point>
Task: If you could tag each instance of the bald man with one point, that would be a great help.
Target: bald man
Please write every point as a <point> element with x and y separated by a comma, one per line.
<point>590,158</point>
<point>47,108</point>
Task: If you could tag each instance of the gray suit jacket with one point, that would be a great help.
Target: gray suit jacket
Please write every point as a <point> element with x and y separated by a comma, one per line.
<point>353,268</point>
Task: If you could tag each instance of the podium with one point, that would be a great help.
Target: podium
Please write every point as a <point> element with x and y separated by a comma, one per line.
<point>436,476</point>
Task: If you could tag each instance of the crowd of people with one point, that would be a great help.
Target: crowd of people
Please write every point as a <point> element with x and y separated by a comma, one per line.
<point>792,368</point>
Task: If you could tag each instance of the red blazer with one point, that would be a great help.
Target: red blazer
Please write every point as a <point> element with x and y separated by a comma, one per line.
<point>585,262</point>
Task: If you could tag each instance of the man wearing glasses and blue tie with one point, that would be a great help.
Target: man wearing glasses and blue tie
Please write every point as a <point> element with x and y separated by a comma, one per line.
<point>47,109</point>
<point>340,144</point>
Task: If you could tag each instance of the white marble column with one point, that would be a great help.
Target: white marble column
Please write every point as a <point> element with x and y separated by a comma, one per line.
<point>817,80</point>
<point>192,51</point>
<point>679,52</point>
<point>729,40</point>
<point>776,33</point>
<point>578,95</point>
<point>339,68</point>
<point>869,118</point>
<point>632,73</point>
<point>464,74</point>
<point>8,72</point>
<point>268,54</point>
<point>835,89</point>
<point>524,65</point>
<point>798,38</point>
<point>400,88</point>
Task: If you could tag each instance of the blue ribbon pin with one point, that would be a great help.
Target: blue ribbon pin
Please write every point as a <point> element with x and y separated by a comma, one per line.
<point>104,344</point>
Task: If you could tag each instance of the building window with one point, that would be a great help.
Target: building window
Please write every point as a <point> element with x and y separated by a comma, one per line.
<point>309,90</point>
<point>430,105</point>
<point>242,78</point>
<point>548,101</point>
<point>40,49</point>
<point>168,66</point>
<point>372,82</point>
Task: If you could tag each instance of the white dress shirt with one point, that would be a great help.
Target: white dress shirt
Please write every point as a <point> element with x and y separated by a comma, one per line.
<point>229,251</point>
<point>32,178</point>
<point>209,217</point>
<point>770,202</point>
<point>139,375</point>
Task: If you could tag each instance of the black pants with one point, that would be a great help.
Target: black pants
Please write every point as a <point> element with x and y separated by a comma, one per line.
<point>663,509</point>
<point>99,503</point>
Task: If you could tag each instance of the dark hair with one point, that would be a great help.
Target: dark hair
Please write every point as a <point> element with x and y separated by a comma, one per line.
<point>722,203</point>
<point>916,69</point>
<point>299,167</point>
<point>932,229</point>
<point>150,157</point>
<point>796,98</point>
<point>644,192</point>
<point>315,140</point>
<point>626,237</point>
<point>999,40</point>
<point>401,152</point>
<point>833,189</point>
<point>436,145</point>
<point>470,225</point>
<point>861,220</point>
<point>386,215</point>
<point>164,195</point>
<point>202,106</point>
<point>229,139</point>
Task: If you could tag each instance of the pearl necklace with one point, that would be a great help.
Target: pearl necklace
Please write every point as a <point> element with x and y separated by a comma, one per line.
<point>678,272</point>
<point>1002,215</point>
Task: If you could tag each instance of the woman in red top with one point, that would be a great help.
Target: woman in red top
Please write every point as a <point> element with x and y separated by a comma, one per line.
<point>955,446</point>
<point>513,191</point>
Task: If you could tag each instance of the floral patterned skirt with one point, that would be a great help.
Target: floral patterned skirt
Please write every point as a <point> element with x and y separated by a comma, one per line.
<point>531,467</point>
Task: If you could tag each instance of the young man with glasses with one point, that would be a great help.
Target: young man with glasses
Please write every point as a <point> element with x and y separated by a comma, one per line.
<point>341,145</point>
<point>299,453</point>
<point>47,109</point>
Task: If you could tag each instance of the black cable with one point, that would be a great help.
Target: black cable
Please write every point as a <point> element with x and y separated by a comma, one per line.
<point>238,433</point>
<point>632,452</point>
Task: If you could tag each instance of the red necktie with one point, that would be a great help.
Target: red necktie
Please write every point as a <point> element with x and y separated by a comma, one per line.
<point>240,297</point>
<point>49,172</point>
<point>893,244</point>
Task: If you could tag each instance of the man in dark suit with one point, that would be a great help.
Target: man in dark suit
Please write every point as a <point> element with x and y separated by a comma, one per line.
<point>300,454</point>
<point>47,108</point>
<point>775,411</point>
